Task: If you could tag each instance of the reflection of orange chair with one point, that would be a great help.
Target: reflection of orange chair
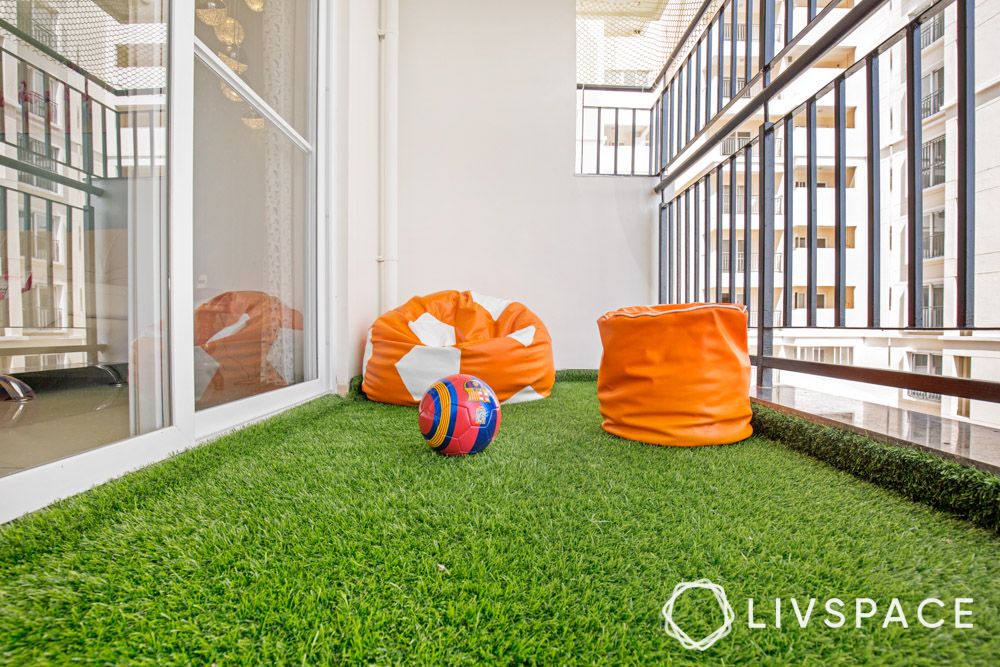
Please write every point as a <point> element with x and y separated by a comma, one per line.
<point>501,342</point>
<point>238,329</point>
<point>676,375</point>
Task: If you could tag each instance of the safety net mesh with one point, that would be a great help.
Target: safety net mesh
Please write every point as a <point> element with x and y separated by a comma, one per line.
<point>122,43</point>
<point>627,42</point>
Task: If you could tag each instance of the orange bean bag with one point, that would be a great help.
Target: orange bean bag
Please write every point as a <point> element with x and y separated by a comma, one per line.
<point>237,330</point>
<point>676,374</point>
<point>429,337</point>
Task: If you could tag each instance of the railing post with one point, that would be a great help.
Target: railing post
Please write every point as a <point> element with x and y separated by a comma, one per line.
<point>788,291</point>
<point>664,286</point>
<point>811,212</point>
<point>965,219</point>
<point>840,201</point>
<point>914,203</point>
<point>765,250</point>
<point>874,193</point>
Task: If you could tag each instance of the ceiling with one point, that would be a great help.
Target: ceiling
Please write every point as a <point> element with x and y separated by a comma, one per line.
<point>648,9</point>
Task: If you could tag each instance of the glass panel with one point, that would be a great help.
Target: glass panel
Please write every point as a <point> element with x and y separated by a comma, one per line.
<point>82,248</point>
<point>253,253</point>
<point>269,45</point>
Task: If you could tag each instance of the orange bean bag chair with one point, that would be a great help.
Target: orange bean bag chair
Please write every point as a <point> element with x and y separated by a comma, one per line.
<point>237,330</point>
<point>676,374</point>
<point>429,337</point>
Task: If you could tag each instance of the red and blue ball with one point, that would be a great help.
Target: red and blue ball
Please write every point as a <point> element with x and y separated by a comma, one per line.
<point>459,415</point>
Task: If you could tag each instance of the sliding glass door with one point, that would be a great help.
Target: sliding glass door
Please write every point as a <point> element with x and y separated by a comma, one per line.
<point>254,192</point>
<point>83,227</point>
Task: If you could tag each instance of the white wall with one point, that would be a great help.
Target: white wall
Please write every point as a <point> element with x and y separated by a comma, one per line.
<point>488,200</point>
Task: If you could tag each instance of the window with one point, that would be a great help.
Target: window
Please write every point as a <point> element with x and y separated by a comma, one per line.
<point>933,87</point>
<point>932,30</point>
<point>32,151</point>
<point>933,235</point>
<point>932,162</point>
<point>926,364</point>
<point>43,24</point>
<point>933,305</point>
<point>829,355</point>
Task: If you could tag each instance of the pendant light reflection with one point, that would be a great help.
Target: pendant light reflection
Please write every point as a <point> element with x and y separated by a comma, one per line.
<point>255,5</point>
<point>230,32</point>
<point>252,119</point>
<point>231,57</point>
<point>211,12</point>
<point>229,92</point>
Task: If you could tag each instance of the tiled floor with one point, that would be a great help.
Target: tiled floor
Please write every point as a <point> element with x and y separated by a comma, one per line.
<point>970,444</point>
<point>59,424</point>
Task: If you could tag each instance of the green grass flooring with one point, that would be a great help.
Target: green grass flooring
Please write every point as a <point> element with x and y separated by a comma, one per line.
<point>332,534</point>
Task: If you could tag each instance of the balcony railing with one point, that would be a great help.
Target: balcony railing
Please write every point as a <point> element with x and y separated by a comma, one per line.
<point>845,277</point>
<point>933,174</point>
<point>933,245</point>
<point>932,31</point>
<point>754,262</point>
<point>931,103</point>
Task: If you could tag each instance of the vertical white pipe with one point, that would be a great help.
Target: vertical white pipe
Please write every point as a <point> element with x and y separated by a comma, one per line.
<point>388,154</point>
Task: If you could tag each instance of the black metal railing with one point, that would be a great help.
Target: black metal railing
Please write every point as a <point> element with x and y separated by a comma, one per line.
<point>931,103</point>
<point>933,245</point>
<point>708,213</point>
<point>615,141</point>
<point>933,30</point>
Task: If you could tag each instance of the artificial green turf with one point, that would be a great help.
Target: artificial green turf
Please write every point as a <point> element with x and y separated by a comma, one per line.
<point>332,534</point>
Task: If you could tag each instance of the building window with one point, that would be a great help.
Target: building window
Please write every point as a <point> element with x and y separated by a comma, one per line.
<point>926,364</point>
<point>933,235</point>
<point>932,162</point>
<point>43,24</point>
<point>933,305</point>
<point>843,356</point>
<point>32,151</point>
<point>932,30</point>
<point>933,87</point>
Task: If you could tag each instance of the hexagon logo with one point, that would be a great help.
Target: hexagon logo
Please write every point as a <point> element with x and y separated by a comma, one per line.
<point>708,640</point>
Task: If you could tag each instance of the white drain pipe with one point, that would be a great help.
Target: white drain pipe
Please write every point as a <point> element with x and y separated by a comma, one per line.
<point>388,154</point>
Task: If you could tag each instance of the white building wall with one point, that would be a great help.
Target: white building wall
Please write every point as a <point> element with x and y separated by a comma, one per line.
<point>488,200</point>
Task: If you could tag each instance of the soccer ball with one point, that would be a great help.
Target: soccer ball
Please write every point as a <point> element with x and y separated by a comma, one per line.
<point>459,415</point>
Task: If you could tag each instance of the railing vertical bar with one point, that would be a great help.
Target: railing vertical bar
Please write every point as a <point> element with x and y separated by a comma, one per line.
<point>70,285</point>
<point>67,126</point>
<point>840,201</point>
<point>721,61</point>
<point>697,88</point>
<point>732,50</point>
<point>50,263</point>
<point>3,98</point>
<point>812,9</point>
<point>732,228</point>
<point>707,297</point>
<point>599,141</point>
<point>27,225</point>
<point>669,124</point>
<point>766,40</point>
<point>965,212</point>
<point>616,142</point>
<point>47,97</point>
<point>874,192</point>
<point>811,226</point>
<point>914,200</point>
<point>671,242</point>
<point>748,40</point>
<point>747,216</point>
<point>104,141</point>
<point>118,141</point>
<point>718,231</point>
<point>708,73</point>
<point>695,244</point>
<point>632,168</point>
<point>687,101</point>
<point>664,286</point>
<point>789,20</point>
<point>765,252</point>
<point>788,293</point>
<point>686,247</point>
<point>152,142</point>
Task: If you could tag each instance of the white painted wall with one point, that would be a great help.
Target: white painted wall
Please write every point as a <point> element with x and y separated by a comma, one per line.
<point>488,200</point>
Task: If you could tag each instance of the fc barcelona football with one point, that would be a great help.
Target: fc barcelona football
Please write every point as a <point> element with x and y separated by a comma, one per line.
<point>459,415</point>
